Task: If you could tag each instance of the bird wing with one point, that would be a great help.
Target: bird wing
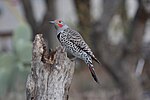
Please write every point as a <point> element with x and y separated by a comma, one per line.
<point>77,39</point>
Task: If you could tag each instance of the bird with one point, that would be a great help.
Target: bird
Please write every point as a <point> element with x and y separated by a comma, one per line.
<point>74,43</point>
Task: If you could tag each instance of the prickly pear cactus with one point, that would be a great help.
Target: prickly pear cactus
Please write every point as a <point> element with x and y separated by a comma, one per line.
<point>16,62</point>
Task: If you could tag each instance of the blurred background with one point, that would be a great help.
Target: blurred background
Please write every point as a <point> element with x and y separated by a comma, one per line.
<point>118,32</point>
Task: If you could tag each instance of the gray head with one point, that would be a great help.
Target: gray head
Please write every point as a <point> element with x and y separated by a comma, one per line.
<point>59,24</point>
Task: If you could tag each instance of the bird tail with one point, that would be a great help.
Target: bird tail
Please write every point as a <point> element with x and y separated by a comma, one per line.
<point>94,58</point>
<point>91,68</point>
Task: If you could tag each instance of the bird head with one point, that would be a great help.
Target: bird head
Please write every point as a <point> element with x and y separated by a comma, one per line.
<point>58,23</point>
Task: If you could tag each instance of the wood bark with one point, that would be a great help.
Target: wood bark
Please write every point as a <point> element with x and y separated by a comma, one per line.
<point>51,73</point>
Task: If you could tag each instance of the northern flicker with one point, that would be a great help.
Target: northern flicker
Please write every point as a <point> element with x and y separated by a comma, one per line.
<point>73,43</point>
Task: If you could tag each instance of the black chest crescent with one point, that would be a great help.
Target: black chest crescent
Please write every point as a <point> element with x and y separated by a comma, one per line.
<point>58,36</point>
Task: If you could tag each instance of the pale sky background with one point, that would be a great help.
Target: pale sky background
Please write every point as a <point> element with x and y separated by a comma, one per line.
<point>10,18</point>
<point>65,10</point>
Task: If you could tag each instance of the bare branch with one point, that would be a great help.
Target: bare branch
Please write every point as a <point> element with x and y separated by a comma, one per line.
<point>84,17</point>
<point>115,58</point>
<point>29,14</point>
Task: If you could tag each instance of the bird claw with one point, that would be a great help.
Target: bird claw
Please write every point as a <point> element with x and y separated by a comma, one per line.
<point>63,49</point>
<point>74,58</point>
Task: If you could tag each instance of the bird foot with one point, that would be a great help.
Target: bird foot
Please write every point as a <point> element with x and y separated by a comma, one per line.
<point>63,49</point>
<point>73,59</point>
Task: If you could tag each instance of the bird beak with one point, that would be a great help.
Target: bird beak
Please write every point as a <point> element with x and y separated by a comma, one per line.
<point>52,22</point>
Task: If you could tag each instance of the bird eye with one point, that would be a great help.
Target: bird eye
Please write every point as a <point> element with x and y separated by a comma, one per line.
<point>59,21</point>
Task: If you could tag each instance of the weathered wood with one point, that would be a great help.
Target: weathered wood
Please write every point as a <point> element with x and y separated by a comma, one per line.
<point>51,74</point>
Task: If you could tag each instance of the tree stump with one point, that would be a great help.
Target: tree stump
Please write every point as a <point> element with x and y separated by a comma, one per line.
<point>51,73</point>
